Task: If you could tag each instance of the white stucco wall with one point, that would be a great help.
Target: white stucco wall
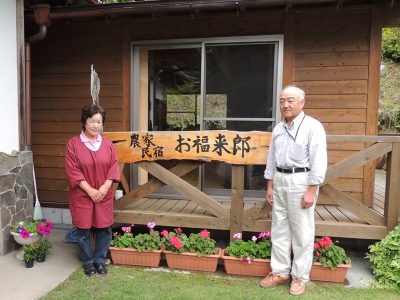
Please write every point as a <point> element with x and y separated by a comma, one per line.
<point>9,107</point>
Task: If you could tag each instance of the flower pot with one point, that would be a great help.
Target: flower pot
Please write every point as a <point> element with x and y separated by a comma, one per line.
<point>29,263</point>
<point>191,261</point>
<point>33,238</point>
<point>321,273</point>
<point>132,257</point>
<point>237,266</point>
<point>41,258</point>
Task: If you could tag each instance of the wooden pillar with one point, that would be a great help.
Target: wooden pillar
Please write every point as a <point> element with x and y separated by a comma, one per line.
<point>288,50</point>
<point>392,201</point>
<point>236,222</point>
<point>374,64</point>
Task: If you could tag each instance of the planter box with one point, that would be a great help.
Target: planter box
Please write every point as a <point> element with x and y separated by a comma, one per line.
<point>132,257</point>
<point>190,261</point>
<point>235,266</point>
<point>320,273</point>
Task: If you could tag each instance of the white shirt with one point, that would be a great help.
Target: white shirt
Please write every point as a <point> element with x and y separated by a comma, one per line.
<point>299,144</point>
<point>93,146</point>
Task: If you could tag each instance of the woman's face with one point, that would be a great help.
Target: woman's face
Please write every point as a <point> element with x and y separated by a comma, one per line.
<point>93,125</point>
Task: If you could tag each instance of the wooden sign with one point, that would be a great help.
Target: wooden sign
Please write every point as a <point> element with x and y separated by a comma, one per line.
<point>233,147</point>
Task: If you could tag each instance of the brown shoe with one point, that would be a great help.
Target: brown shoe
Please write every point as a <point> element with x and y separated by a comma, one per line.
<point>297,287</point>
<point>273,280</point>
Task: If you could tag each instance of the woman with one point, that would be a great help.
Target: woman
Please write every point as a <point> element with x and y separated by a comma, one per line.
<point>91,165</point>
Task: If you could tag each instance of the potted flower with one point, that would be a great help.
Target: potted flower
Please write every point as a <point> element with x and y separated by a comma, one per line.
<point>330,261</point>
<point>140,250</point>
<point>194,252</point>
<point>250,258</point>
<point>28,232</point>
<point>44,247</point>
<point>30,253</point>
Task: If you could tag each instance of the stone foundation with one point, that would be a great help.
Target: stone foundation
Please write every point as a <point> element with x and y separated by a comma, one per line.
<point>16,194</point>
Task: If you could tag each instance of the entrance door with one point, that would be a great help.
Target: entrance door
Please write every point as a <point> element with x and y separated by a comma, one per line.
<point>215,84</point>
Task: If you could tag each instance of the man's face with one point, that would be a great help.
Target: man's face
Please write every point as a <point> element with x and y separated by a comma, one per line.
<point>291,104</point>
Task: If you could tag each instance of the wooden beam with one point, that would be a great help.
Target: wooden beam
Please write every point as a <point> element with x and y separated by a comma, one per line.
<point>154,184</point>
<point>356,160</point>
<point>170,219</point>
<point>126,74</point>
<point>392,193</point>
<point>354,206</point>
<point>288,49</point>
<point>185,188</point>
<point>236,220</point>
<point>333,229</point>
<point>363,138</point>
<point>375,49</point>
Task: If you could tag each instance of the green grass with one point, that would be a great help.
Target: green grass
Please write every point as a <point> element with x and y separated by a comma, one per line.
<point>138,283</point>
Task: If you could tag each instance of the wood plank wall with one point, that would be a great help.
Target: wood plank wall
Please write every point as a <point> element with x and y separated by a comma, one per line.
<point>331,60</point>
<point>328,57</point>
<point>61,87</point>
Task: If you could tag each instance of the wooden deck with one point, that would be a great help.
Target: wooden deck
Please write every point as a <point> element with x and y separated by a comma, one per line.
<point>324,214</point>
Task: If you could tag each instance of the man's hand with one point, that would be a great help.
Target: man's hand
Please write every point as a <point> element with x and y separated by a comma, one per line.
<point>270,192</point>
<point>308,198</point>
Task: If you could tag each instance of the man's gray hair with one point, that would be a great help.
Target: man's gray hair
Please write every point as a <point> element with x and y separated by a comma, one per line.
<point>301,92</point>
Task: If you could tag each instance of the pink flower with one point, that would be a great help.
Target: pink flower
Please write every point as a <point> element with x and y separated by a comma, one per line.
<point>25,233</point>
<point>151,225</point>
<point>204,233</point>
<point>126,229</point>
<point>254,238</point>
<point>164,233</point>
<point>41,229</point>
<point>264,235</point>
<point>248,260</point>
<point>49,225</point>
<point>237,235</point>
<point>47,231</point>
<point>132,225</point>
<point>318,254</point>
<point>316,246</point>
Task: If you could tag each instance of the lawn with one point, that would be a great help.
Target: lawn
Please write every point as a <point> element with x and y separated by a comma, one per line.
<point>138,283</point>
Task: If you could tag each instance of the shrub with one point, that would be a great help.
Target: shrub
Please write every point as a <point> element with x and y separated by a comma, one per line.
<point>385,259</point>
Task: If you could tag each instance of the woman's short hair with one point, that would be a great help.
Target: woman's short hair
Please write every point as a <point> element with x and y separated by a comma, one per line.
<point>89,111</point>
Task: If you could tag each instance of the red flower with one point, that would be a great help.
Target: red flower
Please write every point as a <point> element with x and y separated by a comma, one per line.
<point>318,254</point>
<point>204,233</point>
<point>175,242</point>
<point>316,245</point>
<point>164,233</point>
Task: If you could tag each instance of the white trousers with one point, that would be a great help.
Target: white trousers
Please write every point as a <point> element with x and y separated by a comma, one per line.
<point>293,227</point>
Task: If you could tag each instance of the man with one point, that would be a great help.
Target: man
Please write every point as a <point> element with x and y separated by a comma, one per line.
<point>296,165</point>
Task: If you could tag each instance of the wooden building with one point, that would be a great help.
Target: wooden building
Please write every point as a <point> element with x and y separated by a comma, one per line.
<point>215,65</point>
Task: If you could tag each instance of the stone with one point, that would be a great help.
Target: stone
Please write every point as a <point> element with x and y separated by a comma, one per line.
<point>8,162</point>
<point>19,205</point>
<point>27,176</point>
<point>25,157</point>
<point>7,199</point>
<point>5,217</point>
<point>15,170</point>
<point>7,182</point>
<point>21,192</point>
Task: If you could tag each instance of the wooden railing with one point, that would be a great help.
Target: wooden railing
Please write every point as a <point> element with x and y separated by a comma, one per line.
<point>237,219</point>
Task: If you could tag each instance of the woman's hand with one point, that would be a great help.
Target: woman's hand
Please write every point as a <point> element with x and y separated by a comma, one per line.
<point>104,188</point>
<point>95,195</point>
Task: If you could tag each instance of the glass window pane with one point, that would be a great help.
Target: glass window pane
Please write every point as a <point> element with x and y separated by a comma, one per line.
<point>239,125</point>
<point>240,80</point>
